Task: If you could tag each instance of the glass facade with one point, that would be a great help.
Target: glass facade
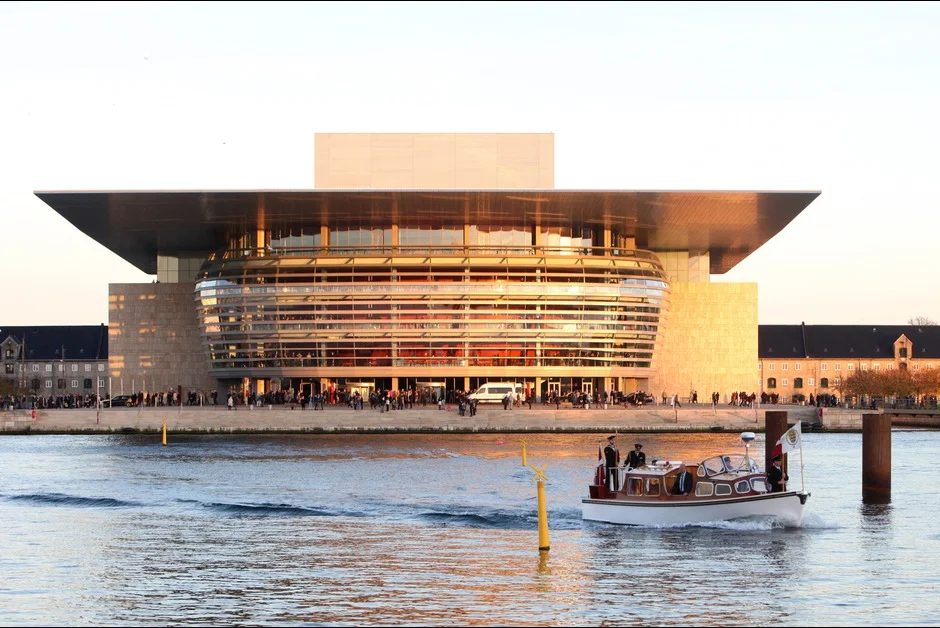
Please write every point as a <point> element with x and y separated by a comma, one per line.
<point>472,301</point>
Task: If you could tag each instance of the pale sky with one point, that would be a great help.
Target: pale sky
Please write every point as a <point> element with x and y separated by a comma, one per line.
<point>841,98</point>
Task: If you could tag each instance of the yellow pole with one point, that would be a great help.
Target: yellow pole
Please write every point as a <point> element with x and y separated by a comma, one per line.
<point>522,440</point>
<point>539,479</point>
<point>164,431</point>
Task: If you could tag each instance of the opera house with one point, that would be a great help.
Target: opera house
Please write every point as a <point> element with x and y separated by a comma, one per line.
<point>435,262</point>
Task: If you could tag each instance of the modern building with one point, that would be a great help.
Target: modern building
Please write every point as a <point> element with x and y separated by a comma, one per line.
<point>55,360</point>
<point>434,262</point>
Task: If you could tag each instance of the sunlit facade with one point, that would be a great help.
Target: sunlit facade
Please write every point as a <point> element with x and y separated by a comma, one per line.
<point>433,262</point>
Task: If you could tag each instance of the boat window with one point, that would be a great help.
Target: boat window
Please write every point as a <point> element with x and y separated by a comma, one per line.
<point>713,466</point>
<point>735,462</point>
<point>636,486</point>
<point>703,489</point>
<point>760,485</point>
<point>742,486</point>
<point>722,489</point>
<point>652,486</point>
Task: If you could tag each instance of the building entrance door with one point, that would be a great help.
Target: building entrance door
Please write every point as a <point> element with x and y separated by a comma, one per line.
<point>587,386</point>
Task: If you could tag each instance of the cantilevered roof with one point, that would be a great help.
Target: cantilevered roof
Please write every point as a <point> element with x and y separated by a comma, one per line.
<point>137,225</point>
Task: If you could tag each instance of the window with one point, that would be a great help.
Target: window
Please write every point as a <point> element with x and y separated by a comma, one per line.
<point>824,382</point>
<point>60,383</point>
<point>48,383</point>
<point>877,367</point>
<point>74,368</point>
<point>742,486</point>
<point>48,368</point>
<point>704,489</point>
<point>770,367</point>
<point>851,367</point>
<point>86,384</point>
<point>722,489</point>
<point>35,368</point>
<point>759,366</point>
<point>797,382</point>
<point>824,367</point>
<point>785,382</point>
<point>771,382</point>
<point>74,383</point>
<point>890,367</point>
<point>34,384</point>
<point>8,353</point>
<point>784,367</point>
<point>798,367</point>
<point>838,367</point>
<point>88,368</point>
<point>812,381</point>
<point>100,368</point>
<point>902,352</point>
<point>9,369</point>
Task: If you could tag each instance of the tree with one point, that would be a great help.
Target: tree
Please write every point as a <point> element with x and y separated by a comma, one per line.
<point>921,321</point>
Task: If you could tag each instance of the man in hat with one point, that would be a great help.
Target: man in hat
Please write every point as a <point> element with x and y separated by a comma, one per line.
<point>612,461</point>
<point>636,458</point>
<point>776,478</point>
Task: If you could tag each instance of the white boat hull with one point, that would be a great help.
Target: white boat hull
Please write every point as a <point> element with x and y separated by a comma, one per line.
<point>787,506</point>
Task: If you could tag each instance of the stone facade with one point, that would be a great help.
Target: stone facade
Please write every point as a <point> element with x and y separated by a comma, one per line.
<point>155,343</point>
<point>709,343</point>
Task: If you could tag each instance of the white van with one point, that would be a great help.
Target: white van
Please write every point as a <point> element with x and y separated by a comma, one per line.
<point>493,392</point>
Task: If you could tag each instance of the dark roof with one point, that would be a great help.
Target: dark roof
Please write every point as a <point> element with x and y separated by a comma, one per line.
<point>45,342</point>
<point>866,342</point>
<point>139,225</point>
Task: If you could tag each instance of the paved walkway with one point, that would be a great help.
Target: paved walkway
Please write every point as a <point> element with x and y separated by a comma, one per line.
<point>490,418</point>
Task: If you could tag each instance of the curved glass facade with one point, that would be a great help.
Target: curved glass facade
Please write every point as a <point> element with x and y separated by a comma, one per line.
<point>431,305</point>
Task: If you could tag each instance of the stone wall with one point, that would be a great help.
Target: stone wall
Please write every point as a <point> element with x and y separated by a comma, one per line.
<point>709,341</point>
<point>154,339</point>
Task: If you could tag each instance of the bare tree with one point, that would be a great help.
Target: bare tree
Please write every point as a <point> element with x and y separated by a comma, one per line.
<point>921,321</point>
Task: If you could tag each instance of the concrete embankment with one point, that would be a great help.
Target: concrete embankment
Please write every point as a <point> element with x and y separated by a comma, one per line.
<point>208,420</point>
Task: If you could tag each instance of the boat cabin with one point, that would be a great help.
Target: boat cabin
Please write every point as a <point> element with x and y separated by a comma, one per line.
<point>720,476</point>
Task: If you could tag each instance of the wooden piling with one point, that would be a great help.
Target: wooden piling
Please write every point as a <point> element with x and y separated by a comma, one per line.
<point>876,457</point>
<point>775,424</point>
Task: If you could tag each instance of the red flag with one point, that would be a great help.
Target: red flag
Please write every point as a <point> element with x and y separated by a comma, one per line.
<point>600,478</point>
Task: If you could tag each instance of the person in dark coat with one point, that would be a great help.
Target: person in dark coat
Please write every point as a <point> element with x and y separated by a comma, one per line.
<point>776,478</point>
<point>636,458</point>
<point>612,462</point>
<point>683,485</point>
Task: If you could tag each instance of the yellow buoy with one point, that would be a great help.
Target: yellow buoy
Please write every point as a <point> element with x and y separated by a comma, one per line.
<point>522,440</point>
<point>164,431</point>
<point>540,479</point>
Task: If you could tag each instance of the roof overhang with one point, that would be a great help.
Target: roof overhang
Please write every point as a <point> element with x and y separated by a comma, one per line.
<point>139,225</point>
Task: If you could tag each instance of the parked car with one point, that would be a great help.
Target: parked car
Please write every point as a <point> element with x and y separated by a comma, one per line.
<point>120,401</point>
<point>640,398</point>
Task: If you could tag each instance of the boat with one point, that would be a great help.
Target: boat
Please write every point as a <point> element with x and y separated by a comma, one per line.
<point>724,487</point>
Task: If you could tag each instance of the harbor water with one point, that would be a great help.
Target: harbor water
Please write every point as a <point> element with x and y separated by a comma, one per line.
<point>442,529</point>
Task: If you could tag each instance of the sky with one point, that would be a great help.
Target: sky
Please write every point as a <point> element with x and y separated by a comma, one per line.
<point>841,98</point>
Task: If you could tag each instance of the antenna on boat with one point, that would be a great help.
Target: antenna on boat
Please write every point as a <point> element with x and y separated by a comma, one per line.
<point>746,438</point>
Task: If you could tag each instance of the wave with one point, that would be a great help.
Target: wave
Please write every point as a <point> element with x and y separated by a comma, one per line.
<point>60,499</point>
<point>271,510</point>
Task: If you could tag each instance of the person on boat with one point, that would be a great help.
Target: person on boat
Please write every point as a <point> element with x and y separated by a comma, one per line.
<point>683,485</point>
<point>612,460</point>
<point>776,478</point>
<point>636,458</point>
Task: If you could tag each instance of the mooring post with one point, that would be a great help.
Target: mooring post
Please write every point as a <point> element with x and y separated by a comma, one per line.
<point>876,457</point>
<point>775,424</point>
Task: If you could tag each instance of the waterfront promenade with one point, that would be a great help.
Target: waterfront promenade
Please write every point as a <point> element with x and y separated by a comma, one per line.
<point>425,419</point>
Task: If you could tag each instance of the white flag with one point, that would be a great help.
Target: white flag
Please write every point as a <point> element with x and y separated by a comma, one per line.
<point>791,439</point>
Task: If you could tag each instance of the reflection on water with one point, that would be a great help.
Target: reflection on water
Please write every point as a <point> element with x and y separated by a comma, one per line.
<point>432,530</point>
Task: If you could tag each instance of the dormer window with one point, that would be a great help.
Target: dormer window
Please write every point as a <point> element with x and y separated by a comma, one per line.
<point>902,352</point>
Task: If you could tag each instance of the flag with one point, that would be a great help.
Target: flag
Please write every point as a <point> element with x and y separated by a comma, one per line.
<point>791,439</point>
<point>600,478</point>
